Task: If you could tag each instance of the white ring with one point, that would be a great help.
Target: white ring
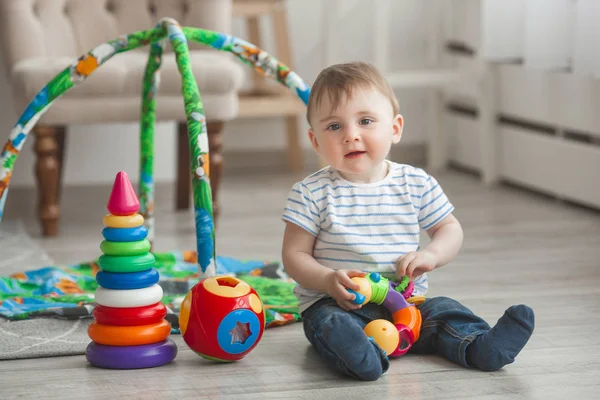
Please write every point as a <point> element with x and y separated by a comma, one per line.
<point>129,298</point>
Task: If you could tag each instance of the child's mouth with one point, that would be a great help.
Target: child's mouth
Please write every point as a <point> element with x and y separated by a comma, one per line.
<point>355,154</point>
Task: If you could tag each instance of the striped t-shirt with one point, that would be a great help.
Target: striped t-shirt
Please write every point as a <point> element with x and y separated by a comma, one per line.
<point>365,226</point>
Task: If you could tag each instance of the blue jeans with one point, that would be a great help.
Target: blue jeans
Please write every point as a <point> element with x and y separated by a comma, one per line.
<point>447,329</point>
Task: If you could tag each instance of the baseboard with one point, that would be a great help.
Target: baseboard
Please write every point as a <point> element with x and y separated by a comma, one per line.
<point>241,162</point>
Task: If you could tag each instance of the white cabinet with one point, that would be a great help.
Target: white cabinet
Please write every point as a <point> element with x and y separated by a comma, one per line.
<point>517,84</point>
<point>527,118</point>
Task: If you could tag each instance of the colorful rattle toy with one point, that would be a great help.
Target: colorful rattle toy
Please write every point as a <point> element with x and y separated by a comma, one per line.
<point>397,338</point>
<point>130,330</point>
<point>222,318</point>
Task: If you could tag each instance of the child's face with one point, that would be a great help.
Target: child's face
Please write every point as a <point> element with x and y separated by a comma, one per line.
<point>356,137</point>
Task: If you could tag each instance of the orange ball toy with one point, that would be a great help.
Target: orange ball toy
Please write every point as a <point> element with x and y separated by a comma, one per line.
<point>384,333</point>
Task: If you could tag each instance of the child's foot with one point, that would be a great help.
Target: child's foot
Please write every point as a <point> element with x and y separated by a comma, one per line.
<point>501,344</point>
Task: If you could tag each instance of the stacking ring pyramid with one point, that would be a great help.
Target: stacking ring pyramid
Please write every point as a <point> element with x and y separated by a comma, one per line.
<point>130,330</point>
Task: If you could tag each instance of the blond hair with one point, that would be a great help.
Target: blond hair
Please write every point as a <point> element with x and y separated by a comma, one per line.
<point>342,79</point>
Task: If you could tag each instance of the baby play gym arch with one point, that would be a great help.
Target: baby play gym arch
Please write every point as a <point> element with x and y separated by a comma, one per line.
<point>166,29</point>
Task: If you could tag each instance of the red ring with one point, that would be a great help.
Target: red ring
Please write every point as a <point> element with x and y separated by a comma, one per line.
<point>130,316</point>
<point>410,288</point>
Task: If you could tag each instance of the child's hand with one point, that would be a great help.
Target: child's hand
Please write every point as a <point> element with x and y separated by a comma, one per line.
<point>338,283</point>
<point>416,263</point>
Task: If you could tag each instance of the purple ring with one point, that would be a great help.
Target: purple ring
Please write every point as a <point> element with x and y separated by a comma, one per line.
<point>131,357</point>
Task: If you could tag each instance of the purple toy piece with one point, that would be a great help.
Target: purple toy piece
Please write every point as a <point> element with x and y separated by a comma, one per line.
<point>131,357</point>
<point>394,301</point>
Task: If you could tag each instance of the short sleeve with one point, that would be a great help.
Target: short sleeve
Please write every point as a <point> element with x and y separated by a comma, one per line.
<point>301,209</point>
<point>434,205</point>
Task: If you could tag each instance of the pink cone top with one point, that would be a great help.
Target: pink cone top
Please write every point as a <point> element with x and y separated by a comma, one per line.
<point>123,200</point>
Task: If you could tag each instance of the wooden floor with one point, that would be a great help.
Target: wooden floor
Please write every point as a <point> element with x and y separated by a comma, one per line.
<point>519,248</point>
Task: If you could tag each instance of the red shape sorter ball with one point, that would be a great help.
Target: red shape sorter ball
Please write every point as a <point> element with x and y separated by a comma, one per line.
<point>222,318</point>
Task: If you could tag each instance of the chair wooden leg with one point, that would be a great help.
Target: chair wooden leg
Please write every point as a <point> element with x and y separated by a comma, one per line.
<point>184,183</point>
<point>49,149</point>
<point>215,143</point>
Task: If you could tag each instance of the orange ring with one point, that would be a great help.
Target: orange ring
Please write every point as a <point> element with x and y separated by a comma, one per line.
<point>112,335</point>
<point>409,317</point>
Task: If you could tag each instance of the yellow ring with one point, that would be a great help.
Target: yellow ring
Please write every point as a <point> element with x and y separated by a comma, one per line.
<point>123,221</point>
<point>416,300</point>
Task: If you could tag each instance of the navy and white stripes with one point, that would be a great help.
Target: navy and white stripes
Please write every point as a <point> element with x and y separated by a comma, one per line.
<point>365,226</point>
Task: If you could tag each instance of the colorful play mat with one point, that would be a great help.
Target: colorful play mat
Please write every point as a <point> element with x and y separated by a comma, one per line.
<point>68,291</point>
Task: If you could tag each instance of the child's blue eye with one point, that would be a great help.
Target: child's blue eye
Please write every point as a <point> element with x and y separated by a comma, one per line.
<point>366,121</point>
<point>333,127</point>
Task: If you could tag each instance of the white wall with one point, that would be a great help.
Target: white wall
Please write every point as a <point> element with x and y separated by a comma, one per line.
<point>91,147</point>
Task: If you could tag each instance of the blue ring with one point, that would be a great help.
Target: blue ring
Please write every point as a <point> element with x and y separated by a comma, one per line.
<point>224,337</point>
<point>125,234</point>
<point>127,281</point>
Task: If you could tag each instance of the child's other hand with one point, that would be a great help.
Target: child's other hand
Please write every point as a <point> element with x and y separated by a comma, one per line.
<point>338,283</point>
<point>415,264</point>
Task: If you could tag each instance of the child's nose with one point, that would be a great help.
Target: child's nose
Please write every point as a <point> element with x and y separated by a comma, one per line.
<point>352,135</point>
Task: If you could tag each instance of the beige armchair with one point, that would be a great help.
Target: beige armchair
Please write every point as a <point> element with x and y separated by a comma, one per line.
<point>39,38</point>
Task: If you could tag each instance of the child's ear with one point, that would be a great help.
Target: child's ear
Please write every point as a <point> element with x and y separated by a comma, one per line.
<point>313,139</point>
<point>398,125</point>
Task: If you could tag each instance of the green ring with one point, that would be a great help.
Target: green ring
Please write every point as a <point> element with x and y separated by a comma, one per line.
<point>126,264</point>
<point>136,248</point>
<point>403,284</point>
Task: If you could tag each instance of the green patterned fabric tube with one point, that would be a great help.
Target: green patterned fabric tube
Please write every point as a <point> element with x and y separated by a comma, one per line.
<point>199,161</point>
<point>147,124</point>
